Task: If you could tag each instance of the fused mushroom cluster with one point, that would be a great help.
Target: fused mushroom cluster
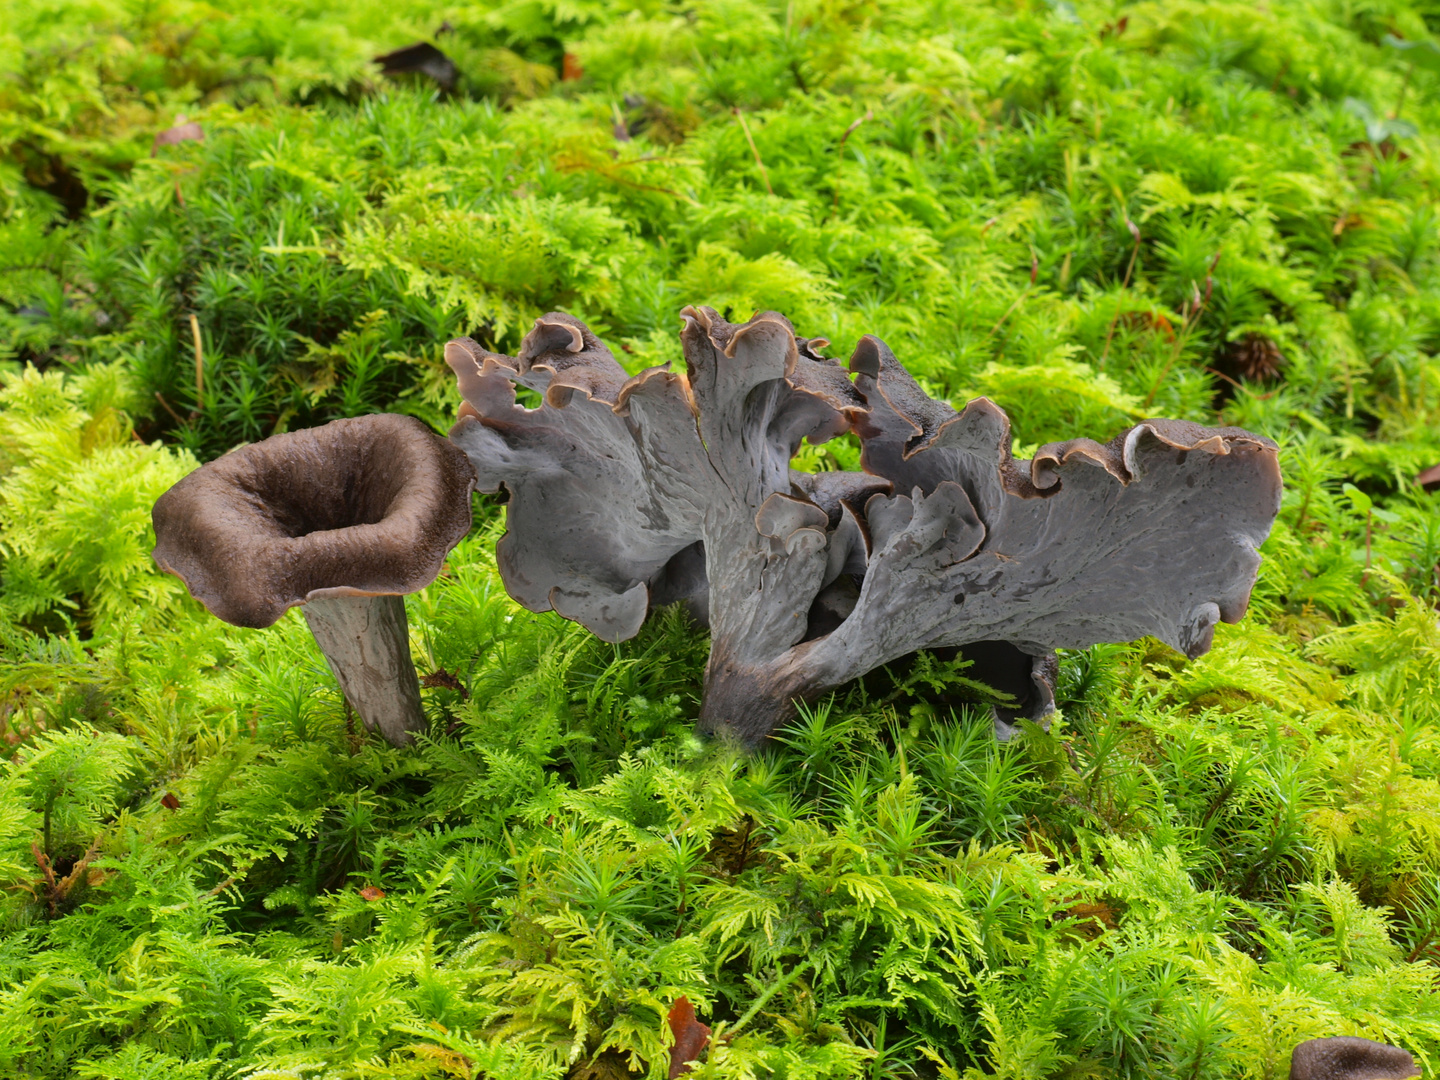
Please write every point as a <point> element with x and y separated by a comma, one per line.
<point>629,492</point>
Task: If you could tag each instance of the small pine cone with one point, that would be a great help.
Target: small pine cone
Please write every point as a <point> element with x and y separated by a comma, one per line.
<point>1254,358</point>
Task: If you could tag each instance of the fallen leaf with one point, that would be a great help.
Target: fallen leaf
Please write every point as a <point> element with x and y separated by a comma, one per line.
<point>1348,221</point>
<point>370,892</point>
<point>452,1062</point>
<point>1430,478</point>
<point>570,68</point>
<point>169,801</point>
<point>190,132</point>
<point>1089,920</point>
<point>1147,321</point>
<point>691,1037</point>
<point>444,680</point>
<point>422,58</point>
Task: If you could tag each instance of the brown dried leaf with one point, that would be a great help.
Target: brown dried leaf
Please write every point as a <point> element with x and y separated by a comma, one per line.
<point>691,1037</point>
<point>450,1062</point>
<point>1348,221</point>
<point>442,679</point>
<point>1147,321</point>
<point>190,132</point>
<point>169,801</point>
<point>370,892</point>
<point>1089,920</point>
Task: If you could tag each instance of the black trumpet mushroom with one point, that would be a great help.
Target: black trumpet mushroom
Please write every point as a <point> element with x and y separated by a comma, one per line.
<point>626,493</point>
<point>342,519</point>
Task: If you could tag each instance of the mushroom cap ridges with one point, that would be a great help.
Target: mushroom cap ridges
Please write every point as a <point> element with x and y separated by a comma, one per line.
<point>366,506</point>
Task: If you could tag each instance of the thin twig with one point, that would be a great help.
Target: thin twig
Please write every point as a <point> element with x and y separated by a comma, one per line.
<point>56,891</point>
<point>753,149</point>
<point>1193,310</point>
<point>1365,577</point>
<point>43,861</point>
<point>642,159</point>
<point>1422,947</point>
<point>1130,269</point>
<point>648,187</point>
<point>840,159</point>
<point>350,735</point>
<point>1404,86</point>
<point>68,881</point>
<point>1034,272</point>
<point>199,360</point>
<point>1018,301</point>
<point>1221,375</point>
<point>1275,82</point>
<point>1192,318</point>
<point>161,398</point>
<point>607,172</point>
<point>764,998</point>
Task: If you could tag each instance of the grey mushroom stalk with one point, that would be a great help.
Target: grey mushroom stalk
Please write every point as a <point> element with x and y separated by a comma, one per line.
<point>343,519</point>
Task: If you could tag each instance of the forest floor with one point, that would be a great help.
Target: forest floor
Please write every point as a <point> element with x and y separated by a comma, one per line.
<point>219,221</point>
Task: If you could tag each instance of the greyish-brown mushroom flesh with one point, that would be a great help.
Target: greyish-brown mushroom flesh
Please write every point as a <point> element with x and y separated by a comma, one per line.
<point>619,486</point>
<point>343,519</point>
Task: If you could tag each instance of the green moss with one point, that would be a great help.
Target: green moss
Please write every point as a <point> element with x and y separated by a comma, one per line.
<point>1089,213</point>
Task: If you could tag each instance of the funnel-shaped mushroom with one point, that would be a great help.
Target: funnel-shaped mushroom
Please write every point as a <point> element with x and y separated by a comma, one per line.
<point>343,519</point>
<point>1348,1058</point>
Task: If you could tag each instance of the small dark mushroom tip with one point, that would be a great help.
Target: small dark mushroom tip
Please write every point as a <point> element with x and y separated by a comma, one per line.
<point>1346,1057</point>
<point>343,519</point>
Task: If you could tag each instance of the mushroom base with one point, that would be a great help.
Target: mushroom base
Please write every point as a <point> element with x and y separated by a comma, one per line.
<point>366,640</point>
<point>747,703</point>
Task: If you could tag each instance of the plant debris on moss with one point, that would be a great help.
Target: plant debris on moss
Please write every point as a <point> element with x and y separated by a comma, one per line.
<point>221,221</point>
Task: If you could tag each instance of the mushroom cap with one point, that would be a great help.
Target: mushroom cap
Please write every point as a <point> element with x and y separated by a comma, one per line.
<point>368,506</point>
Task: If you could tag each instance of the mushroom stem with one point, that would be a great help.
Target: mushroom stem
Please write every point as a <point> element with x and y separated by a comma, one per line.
<point>367,642</point>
